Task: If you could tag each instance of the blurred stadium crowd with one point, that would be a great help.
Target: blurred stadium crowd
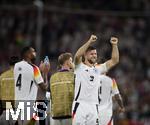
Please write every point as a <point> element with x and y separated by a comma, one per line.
<point>66,32</point>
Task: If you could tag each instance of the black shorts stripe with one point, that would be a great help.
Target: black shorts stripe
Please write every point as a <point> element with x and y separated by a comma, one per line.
<point>109,123</point>
<point>78,93</point>
<point>97,108</point>
<point>31,86</point>
<point>99,99</point>
<point>75,107</point>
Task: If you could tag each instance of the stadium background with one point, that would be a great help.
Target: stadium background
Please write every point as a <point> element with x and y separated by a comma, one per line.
<point>56,26</point>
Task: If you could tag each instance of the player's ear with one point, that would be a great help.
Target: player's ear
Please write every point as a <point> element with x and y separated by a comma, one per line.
<point>67,62</point>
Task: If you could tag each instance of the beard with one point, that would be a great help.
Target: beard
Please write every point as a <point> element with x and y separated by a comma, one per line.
<point>33,60</point>
<point>92,61</point>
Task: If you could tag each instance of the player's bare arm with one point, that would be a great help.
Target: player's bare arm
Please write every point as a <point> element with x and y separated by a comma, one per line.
<point>44,69</point>
<point>82,49</point>
<point>115,53</point>
<point>119,100</point>
<point>44,86</point>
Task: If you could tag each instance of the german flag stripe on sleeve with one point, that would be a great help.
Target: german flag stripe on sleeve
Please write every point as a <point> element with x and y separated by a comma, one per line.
<point>114,84</point>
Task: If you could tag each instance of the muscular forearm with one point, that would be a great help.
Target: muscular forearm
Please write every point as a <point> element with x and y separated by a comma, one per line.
<point>44,71</point>
<point>44,85</point>
<point>45,81</point>
<point>119,100</point>
<point>115,54</point>
<point>83,49</point>
<point>45,77</point>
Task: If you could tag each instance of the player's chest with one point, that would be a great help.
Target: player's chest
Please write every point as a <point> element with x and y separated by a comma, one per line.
<point>90,75</point>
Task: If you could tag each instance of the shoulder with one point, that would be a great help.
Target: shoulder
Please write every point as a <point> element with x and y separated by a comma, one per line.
<point>21,64</point>
<point>54,75</point>
<point>7,73</point>
<point>100,65</point>
<point>35,67</point>
<point>106,78</point>
<point>102,68</point>
<point>80,66</point>
<point>97,65</point>
<point>114,82</point>
<point>3,74</point>
<point>61,75</point>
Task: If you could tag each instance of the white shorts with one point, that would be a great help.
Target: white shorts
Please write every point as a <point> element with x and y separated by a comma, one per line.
<point>84,114</point>
<point>105,117</point>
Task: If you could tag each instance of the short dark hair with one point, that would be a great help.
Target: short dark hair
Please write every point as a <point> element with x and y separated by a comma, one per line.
<point>63,57</point>
<point>25,50</point>
<point>13,60</point>
<point>90,48</point>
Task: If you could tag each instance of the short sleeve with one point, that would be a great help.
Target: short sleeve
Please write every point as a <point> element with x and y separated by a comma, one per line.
<point>37,75</point>
<point>114,87</point>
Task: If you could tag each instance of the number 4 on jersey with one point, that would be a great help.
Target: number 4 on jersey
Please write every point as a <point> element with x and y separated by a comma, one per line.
<point>18,83</point>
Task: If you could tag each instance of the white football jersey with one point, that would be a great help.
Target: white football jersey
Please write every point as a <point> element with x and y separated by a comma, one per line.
<point>107,89</point>
<point>27,76</point>
<point>87,80</point>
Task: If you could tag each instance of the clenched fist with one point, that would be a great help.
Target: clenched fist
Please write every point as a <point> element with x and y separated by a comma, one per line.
<point>114,40</point>
<point>92,39</point>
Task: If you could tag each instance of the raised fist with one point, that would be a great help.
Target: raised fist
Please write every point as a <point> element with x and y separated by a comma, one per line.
<point>114,40</point>
<point>93,38</point>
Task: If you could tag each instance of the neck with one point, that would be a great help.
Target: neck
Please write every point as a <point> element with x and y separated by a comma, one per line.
<point>65,67</point>
<point>88,64</point>
<point>27,60</point>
